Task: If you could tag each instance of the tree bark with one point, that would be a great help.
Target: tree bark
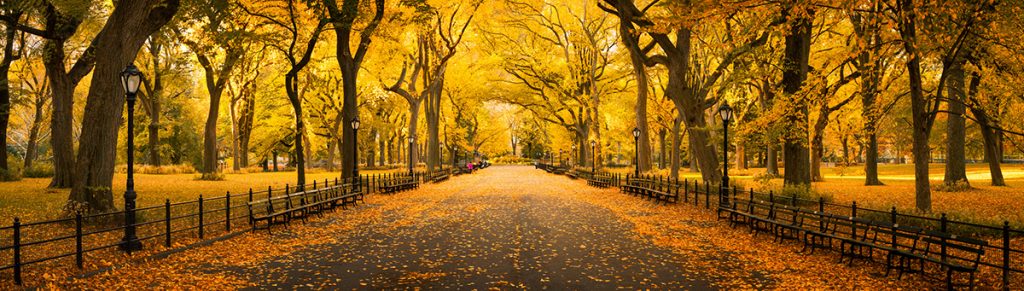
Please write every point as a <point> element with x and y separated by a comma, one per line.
<point>795,68</point>
<point>5,86</point>
<point>956,169</point>
<point>661,152</point>
<point>342,20</point>
<point>989,136</point>
<point>120,39</point>
<point>32,147</point>
<point>60,28</point>
<point>630,38</point>
<point>919,114</point>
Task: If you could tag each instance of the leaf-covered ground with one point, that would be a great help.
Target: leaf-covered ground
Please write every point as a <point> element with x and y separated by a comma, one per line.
<point>504,228</point>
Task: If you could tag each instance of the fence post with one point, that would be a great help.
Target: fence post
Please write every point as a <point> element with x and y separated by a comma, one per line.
<point>943,224</point>
<point>78,239</point>
<point>200,216</point>
<point>686,191</point>
<point>734,198</point>
<point>167,222</point>
<point>707,195</point>
<point>892,217</point>
<point>696,193</point>
<point>821,213</point>
<point>17,251</point>
<point>270,201</point>
<point>250,206</point>
<point>1006,255</point>
<point>227,211</point>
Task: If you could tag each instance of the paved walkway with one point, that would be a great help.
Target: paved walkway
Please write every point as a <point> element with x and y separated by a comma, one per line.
<point>495,228</point>
<point>505,228</point>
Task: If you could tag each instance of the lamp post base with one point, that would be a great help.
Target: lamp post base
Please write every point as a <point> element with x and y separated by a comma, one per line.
<point>130,244</point>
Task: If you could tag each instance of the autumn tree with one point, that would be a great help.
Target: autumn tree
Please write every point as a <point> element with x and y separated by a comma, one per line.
<point>297,29</point>
<point>694,70</point>
<point>343,19</point>
<point>217,43</point>
<point>924,108</point>
<point>117,43</point>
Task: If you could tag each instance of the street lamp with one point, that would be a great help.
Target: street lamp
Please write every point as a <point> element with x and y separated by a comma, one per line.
<point>593,154</point>
<point>355,153</point>
<point>560,156</point>
<point>411,139</point>
<point>574,154</point>
<point>726,113</point>
<point>636,150</point>
<point>131,78</point>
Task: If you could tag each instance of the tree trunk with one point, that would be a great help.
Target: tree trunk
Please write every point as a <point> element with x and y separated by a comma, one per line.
<point>342,20</point>
<point>154,135</point>
<point>661,151</point>
<point>383,149</point>
<point>5,89</point>
<point>956,170</point>
<point>988,135</point>
<point>130,23</point>
<point>330,155</point>
<point>797,54</point>
<point>741,155</point>
<point>32,148</point>
<point>291,89</point>
<point>234,135</point>
<point>817,142</point>
<point>921,124</point>
<point>371,157</point>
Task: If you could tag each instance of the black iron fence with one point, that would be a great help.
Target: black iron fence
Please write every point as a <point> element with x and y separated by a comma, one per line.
<point>1002,262</point>
<point>92,239</point>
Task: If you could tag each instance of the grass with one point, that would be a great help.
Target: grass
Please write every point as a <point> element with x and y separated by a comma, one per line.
<point>30,200</point>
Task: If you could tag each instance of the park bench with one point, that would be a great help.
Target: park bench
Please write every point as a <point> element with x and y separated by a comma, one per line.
<point>572,174</point>
<point>649,187</point>
<point>439,176</point>
<point>283,212</point>
<point>894,239</point>
<point>756,214</point>
<point>955,254</point>
<point>860,238</point>
<point>789,222</point>
<point>601,180</point>
<point>398,184</point>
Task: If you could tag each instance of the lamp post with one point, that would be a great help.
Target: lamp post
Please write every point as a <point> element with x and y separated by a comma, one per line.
<point>636,149</point>
<point>355,153</point>
<point>726,113</point>
<point>560,156</point>
<point>131,78</point>
<point>411,139</point>
<point>593,156</point>
<point>574,153</point>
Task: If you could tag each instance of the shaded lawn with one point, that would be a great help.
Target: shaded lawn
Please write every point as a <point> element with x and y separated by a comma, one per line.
<point>31,200</point>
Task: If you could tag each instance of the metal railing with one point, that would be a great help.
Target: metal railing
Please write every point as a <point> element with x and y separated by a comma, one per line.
<point>1004,252</point>
<point>94,236</point>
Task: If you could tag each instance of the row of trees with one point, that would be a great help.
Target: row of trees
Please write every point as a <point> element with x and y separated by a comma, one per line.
<point>794,70</point>
<point>247,80</point>
<point>245,52</point>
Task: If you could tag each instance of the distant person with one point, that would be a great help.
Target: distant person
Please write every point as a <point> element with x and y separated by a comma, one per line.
<point>469,166</point>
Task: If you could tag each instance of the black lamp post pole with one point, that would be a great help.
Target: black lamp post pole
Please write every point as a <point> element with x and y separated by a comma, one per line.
<point>130,242</point>
<point>355,154</point>
<point>593,157</point>
<point>636,154</point>
<point>724,192</point>
<point>410,156</point>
